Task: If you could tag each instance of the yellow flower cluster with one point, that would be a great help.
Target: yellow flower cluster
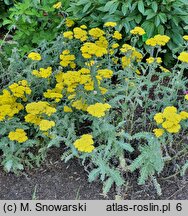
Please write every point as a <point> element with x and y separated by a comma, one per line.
<point>169,120</point>
<point>72,79</point>
<point>69,22</point>
<point>80,105</point>
<point>54,94</point>
<point>96,33</point>
<point>34,56</point>
<point>85,143</point>
<point>158,40</point>
<point>137,31</point>
<point>18,135</point>
<point>57,5</point>
<point>131,55</point>
<point>68,34</point>
<point>115,45</point>
<point>164,69</point>
<point>67,109</point>
<point>158,132</point>
<point>67,59</point>
<point>41,107</point>
<point>80,34</point>
<point>43,72</point>
<point>186,96</point>
<point>126,61</point>
<point>183,57</point>
<point>36,111</point>
<point>105,73</point>
<point>83,27</point>
<point>8,105</point>
<point>185,37</point>
<point>151,60</point>
<point>117,35</point>
<point>46,125</point>
<point>20,89</point>
<point>110,24</point>
<point>102,42</point>
<point>90,49</point>
<point>126,48</point>
<point>98,110</point>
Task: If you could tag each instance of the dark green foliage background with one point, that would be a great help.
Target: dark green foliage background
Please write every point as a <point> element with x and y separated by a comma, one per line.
<point>168,17</point>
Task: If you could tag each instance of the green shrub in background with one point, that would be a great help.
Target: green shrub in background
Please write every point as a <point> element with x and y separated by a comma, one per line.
<point>168,17</point>
<point>34,21</point>
<point>4,6</point>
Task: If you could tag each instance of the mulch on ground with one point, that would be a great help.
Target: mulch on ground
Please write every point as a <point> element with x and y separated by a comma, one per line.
<point>56,180</point>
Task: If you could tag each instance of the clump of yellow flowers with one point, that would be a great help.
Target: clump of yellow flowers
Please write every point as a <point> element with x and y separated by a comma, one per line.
<point>110,24</point>
<point>183,57</point>
<point>8,100</point>
<point>43,72</point>
<point>170,120</point>
<point>90,49</point>
<point>34,56</point>
<point>98,109</point>
<point>67,59</point>
<point>137,31</point>
<point>158,40</point>
<point>20,89</point>
<point>69,22</point>
<point>18,135</point>
<point>85,143</point>
<point>151,60</point>
<point>36,112</point>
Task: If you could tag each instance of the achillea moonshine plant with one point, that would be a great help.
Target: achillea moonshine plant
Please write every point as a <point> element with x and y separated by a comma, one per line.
<point>102,100</point>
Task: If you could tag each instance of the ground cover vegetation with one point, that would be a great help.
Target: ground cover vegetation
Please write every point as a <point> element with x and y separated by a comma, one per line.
<point>109,102</point>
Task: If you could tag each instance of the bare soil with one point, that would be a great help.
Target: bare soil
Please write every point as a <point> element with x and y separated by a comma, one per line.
<point>57,180</point>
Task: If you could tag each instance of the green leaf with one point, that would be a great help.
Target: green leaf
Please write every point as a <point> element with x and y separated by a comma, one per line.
<point>149,161</point>
<point>82,2</point>
<point>162,17</point>
<point>141,6</point>
<point>149,27</point>
<point>161,29</point>
<point>7,2</point>
<point>154,6</point>
<point>115,174</point>
<point>156,185</point>
<point>113,8</point>
<point>55,141</point>
<point>6,22</point>
<point>144,37</point>
<point>107,185</point>
<point>157,21</point>
<point>3,130</point>
<point>86,7</point>
<point>184,168</point>
<point>108,5</point>
<point>125,146</point>
<point>124,9</point>
<point>94,174</point>
<point>8,165</point>
<point>150,15</point>
<point>138,19</point>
